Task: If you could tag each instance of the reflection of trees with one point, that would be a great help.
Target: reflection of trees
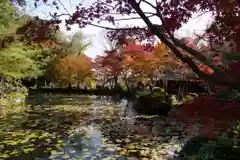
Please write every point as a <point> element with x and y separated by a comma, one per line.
<point>71,99</point>
<point>141,134</point>
<point>76,141</point>
<point>58,99</point>
<point>83,138</point>
<point>109,99</point>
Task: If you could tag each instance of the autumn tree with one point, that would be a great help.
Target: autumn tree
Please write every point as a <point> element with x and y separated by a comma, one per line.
<point>72,69</point>
<point>118,62</point>
<point>171,15</point>
<point>83,69</point>
<point>165,61</point>
<point>112,65</point>
<point>62,45</point>
<point>149,63</point>
<point>20,59</point>
<point>139,62</point>
<point>131,62</point>
<point>65,70</point>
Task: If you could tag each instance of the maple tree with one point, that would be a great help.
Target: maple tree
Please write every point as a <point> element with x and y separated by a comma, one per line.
<point>142,63</point>
<point>23,58</point>
<point>38,30</point>
<point>133,62</point>
<point>172,14</point>
<point>150,63</point>
<point>74,69</point>
<point>111,65</point>
<point>213,115</point>
<point>83,69</point>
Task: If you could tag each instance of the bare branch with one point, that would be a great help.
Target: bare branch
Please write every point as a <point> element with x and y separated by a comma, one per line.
<point>150,4</point>
<point>59,15</point>
<point>110,28</point>
<point>139,2</point>
<point>124,19</point>
<point>113,13</point>
<point>63,7</point>
<point>178,53</point>
<point>159,14</point>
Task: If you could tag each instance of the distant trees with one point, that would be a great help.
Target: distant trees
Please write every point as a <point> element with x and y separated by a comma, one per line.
<point>170,17</point>
<point>20,57</point>
<point>73,69</point>
<point>33,48</point>
<point>76,43</point>
<point>134,63</point>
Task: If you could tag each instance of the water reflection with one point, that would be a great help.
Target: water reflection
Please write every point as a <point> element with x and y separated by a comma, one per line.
<point>86,127</point>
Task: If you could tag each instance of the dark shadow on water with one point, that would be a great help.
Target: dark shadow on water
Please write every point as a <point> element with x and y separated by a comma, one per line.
<point>58,99</point>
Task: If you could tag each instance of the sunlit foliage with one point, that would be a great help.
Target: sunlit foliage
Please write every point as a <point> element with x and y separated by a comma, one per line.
<point>74,69</point>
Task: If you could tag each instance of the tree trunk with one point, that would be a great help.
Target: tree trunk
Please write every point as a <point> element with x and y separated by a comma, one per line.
<point>151,85</point>
<point>115,82</point>
<point>126,83</point>
<point>69,85</point>
<point>220,77</point>
<point>37,84</point>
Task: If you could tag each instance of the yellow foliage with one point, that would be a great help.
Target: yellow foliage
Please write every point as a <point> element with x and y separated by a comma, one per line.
<point>73,68</point>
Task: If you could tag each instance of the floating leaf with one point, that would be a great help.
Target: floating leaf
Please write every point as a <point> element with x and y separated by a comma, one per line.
<point>65,156</point>
<point>110,149</point>
<point>4,156</point>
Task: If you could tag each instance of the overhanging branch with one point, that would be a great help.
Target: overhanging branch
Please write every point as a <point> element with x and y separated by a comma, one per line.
<point>150,4</point>
<point>124,19</point>
<point>111,28</point>
<point>213,79</point>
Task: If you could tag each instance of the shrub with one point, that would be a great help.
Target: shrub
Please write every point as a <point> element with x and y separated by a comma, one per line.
<point>202,148</point>
<point>210,113</point>
<point>152,104</point>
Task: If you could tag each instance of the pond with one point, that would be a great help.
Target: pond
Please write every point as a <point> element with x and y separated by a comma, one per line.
<point>64,126</point>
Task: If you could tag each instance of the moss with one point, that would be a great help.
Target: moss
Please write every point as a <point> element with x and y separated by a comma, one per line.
<point>152,104</point>
<point>202,148</point>
<point>192,146</point>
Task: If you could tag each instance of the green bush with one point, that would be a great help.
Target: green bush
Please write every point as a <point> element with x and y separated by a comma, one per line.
<point>159,90</point>
<point>202,148</point>
<point>13,102</point>
<point>152,104</point>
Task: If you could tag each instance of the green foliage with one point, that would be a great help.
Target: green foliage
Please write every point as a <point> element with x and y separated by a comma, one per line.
<point>189,97</point>
<point>192,146</point>
<point>19,61</point>
<point>7,10</point>
<point>15,95</point>
<point>11,17</point>
<point>152,104</point>
<point>173,100</point>
<point>160,93</point>
<point>202,148</point>
<point>12,103</point>
<point>9,84</point>
<point>231,56</point>
<point>229,95</point>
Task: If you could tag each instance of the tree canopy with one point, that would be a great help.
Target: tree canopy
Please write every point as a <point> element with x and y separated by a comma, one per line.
<point>171,16</point>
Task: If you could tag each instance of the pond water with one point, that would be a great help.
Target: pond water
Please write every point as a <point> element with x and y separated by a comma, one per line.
<point>57,126</point>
